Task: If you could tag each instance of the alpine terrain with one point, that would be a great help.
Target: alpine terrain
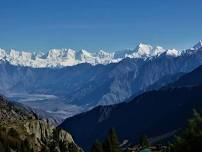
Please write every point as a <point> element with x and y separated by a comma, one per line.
<point>67,90</point>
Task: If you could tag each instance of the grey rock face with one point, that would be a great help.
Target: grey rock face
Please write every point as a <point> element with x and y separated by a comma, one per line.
<point>25,127</point>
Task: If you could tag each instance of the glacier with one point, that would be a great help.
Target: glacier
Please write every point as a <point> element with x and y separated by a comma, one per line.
<point>69,57</point>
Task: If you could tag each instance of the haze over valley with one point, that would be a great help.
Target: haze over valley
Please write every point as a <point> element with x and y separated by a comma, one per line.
<point>100,76</point>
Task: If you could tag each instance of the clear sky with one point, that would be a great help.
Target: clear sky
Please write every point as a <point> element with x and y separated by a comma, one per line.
<point>99,24</point>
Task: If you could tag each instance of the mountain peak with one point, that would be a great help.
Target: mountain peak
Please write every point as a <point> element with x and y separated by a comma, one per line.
<point>69,57</point>
<point>173,52</point>
<point>144,46</point>
<point>143,49</point>
<point>85,53</point>
<point>198,45</point>
<point>146,50</point>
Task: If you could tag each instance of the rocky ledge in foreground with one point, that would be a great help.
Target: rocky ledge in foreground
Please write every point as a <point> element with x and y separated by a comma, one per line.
<point>21,130</point>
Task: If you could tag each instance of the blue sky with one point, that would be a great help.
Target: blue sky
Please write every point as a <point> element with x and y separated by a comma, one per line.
<point>99,24</point>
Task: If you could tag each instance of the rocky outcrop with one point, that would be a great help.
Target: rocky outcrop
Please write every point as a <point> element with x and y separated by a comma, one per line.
<point>21,131</point>
<point>44,132</point>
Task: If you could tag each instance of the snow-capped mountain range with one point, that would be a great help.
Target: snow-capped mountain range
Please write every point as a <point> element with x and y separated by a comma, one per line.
<point>70,57</point>
<point>67,91</point>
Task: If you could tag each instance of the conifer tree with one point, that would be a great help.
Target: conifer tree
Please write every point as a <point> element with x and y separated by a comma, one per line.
<point>111,144</point>
<point>97,147</point>
<point>191,138</point>
<point>2,148</point>
<point>144,142</point>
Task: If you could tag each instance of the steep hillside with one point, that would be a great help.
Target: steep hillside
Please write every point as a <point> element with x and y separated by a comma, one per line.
<point>193,78</point>
<point>153,113</point>
<point>22,131</point>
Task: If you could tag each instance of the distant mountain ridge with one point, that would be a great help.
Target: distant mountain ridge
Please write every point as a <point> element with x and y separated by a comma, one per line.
<point>153,113</point>
<point>70,90</point>
<point>69,57</point>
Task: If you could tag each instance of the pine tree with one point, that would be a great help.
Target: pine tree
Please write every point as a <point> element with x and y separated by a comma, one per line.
<point>97,147</point>
<point>191,138</point>
<point>111,144</point>
<point>144,142</point>
<point>2,148</point>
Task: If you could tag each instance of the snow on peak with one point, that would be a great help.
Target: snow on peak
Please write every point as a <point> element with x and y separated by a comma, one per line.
<point>103,54</point>
<point>145,51</point>
<point>173,52</point>
<point>55,53</point>
<point>71,51</point>
<point>84,56</point>
<point>70,57</point>
<point>198,45</point>
<point>85,53</point>
<point>2,54</point>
